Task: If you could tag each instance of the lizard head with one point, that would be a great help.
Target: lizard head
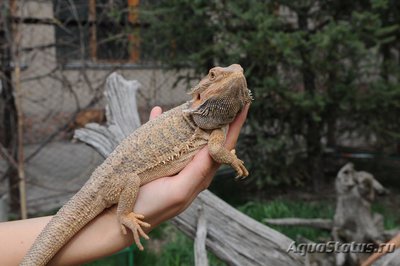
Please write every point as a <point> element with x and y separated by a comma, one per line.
<point>219,97</point>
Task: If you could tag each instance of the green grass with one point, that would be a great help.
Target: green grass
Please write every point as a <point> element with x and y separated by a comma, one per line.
<point>178,251</point>
<point>391,218</point>
<point>320,209</point>
<point>118,259</point>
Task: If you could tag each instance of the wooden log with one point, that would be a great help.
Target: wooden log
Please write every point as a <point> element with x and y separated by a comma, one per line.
<point>235,237</point>
<point>231,235</point>
<point>200,253</point>
<point>121,114</point>
<point>354,220</point>
<point>325,224</point>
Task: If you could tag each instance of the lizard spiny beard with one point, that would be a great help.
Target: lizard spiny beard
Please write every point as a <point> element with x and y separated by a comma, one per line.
<point>216,112</point>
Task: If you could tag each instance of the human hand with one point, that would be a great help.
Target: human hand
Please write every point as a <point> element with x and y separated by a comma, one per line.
<point>166,197</point>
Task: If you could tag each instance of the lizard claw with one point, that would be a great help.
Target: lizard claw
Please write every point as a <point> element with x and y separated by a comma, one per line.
<point>240,169</point>
<point>133,222</point>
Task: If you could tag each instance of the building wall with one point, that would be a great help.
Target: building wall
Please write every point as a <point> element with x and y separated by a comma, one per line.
<point>51,92</point>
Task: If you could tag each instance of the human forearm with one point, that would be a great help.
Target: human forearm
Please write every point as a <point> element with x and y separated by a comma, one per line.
<point>97,239</point>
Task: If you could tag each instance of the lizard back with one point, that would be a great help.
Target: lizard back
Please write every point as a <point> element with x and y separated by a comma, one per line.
<point>153,145</point>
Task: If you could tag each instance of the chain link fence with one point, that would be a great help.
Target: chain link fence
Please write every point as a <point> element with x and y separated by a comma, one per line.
<point>65,50</point>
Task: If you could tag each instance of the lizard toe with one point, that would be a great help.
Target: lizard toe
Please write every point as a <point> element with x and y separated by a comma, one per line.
<point>139,216</point>
<point>137,240</point>
<point>132,221</point>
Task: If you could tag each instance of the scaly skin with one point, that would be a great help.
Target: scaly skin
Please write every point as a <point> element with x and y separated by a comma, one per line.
<point>161,147</point>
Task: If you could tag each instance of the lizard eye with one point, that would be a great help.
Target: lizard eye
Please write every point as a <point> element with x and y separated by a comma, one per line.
<point>212,75</point>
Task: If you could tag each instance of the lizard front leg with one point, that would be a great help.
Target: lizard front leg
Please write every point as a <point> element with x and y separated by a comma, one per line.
<point>126,216</point>
<point>222,155</point>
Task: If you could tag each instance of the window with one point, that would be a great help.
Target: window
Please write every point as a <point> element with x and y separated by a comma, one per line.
<point>99,31</point>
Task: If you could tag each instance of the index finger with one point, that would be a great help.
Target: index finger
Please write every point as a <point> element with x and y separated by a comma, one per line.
<point>156,111</point>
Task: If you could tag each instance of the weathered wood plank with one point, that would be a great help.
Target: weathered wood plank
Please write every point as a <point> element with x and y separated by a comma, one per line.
<point>200,253</point>
<point>235,237</point>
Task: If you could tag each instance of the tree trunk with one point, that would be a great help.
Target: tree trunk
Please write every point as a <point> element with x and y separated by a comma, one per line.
<point>313,131</point>
<point>9,119</point>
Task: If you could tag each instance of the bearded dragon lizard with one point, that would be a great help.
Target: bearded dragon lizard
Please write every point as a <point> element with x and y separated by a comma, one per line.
<point>161,147</point>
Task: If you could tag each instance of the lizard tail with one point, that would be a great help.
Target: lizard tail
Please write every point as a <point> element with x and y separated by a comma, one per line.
<point>72,217</point>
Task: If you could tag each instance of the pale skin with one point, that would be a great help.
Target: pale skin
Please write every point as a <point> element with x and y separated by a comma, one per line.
<point>102,236</point>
